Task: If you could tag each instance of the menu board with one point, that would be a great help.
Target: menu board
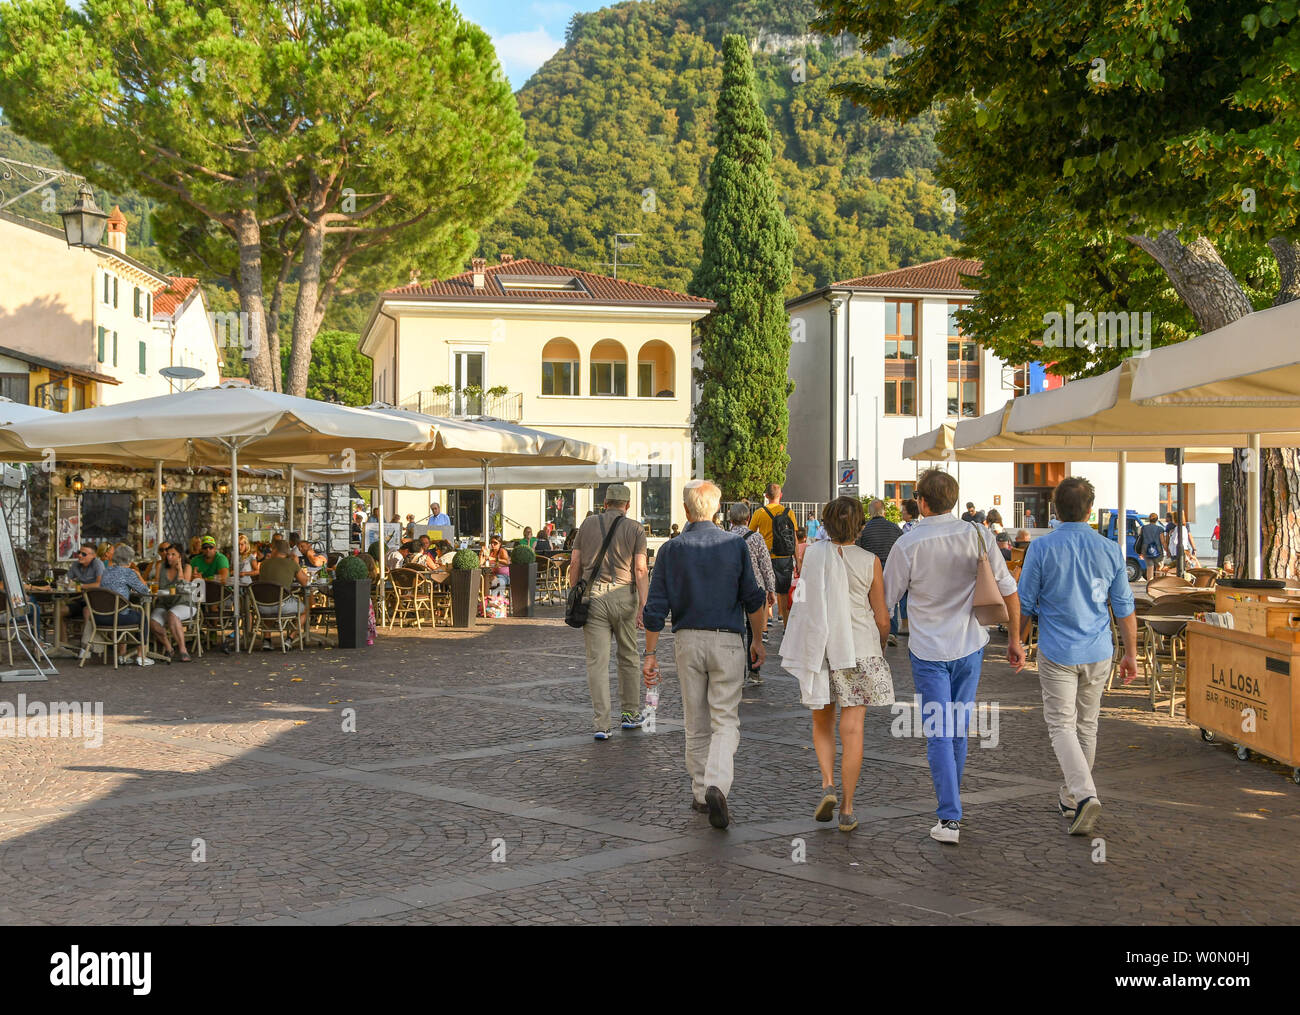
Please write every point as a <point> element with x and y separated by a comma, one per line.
<point>9,569</point>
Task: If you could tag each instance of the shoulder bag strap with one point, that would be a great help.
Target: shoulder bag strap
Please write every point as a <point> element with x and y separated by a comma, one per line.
<point>600,557</point>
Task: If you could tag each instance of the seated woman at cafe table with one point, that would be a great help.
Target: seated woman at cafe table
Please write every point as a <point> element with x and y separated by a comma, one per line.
<point>248,561</point>
<point>172,607</point>
<point>497,557</point>
<point>121,579</point>
<point>528,539</point>
<point>148,570</point>
<point>209,563</point>
<point>196,546</point>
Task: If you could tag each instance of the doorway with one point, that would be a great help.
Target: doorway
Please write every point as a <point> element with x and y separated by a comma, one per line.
<point>468,372</point>
<point>465,509</point>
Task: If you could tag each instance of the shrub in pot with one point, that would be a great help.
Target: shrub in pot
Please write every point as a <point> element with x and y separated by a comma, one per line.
<point>352,601</point>
<point>523,580</point>
<point>464,580</point>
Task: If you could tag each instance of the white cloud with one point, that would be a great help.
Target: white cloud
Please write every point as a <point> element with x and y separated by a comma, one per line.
<point>521,53</point>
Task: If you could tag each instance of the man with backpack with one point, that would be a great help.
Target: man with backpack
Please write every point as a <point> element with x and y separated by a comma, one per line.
<point>776,524</point>
<point>1150,544</point>
<point>762,562</point>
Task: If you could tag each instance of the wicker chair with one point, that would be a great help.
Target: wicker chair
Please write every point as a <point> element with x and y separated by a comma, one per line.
<point>268,614</point>
<point>218,613</point>
<point>1164,649</point>
<point>106,627</point>
<point>411,601</point>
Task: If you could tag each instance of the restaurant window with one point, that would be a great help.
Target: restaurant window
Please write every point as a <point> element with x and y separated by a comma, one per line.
<point>657,501</point>
<point>654,369</point>
<point>105,516</point>
<point>900,358</point>
<point>900,490</point>
<point>1169,501</point>
<point>561,509</point>
<point>963,369</point>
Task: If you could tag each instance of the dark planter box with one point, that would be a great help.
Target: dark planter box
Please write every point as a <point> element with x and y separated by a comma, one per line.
<point>352,612</point>
<point>523,589</point>
<point>464,597</point>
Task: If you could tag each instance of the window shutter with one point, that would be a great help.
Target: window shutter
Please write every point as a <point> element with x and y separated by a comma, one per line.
<point>102,329</point>
<point>105,287</point>
<point>142,362</point>
<point>136,308</point>
<point>114,290</point>
<point>115,348</point>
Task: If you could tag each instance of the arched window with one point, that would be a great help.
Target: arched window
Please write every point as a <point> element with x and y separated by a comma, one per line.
<point>560,367</point>
<point>608,368</point>
<point>654,370</point>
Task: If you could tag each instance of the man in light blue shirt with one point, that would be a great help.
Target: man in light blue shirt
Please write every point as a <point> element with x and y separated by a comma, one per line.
<point>1073,579</point>
<point>438,518</point>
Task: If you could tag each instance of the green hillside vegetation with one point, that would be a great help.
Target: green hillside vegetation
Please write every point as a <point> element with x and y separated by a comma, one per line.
<point>623,119</point>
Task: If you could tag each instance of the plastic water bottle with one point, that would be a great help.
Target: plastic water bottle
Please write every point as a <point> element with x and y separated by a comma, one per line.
<point>652,697</point>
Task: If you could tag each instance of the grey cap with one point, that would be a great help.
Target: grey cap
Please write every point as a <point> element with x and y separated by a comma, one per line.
<point>619,492</point>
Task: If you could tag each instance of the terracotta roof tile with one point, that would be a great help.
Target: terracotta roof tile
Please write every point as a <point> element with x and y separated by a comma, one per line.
<point>588,287</point>
<point>944,274</point>
<point>170,297</point>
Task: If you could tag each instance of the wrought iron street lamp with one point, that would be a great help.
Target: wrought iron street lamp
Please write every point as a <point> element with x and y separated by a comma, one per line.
<point>83,223</point>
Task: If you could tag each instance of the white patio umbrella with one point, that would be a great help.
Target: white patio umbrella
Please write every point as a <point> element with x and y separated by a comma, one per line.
<point>211,426</point>
<point>987,439</point>
<point>504,477</point>
<point>1105,407</point>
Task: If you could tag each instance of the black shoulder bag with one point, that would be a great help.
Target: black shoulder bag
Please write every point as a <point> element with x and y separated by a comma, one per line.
<point>575,610</point>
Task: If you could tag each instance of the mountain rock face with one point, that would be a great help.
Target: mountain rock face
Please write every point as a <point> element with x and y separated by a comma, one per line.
<point>623,120</point>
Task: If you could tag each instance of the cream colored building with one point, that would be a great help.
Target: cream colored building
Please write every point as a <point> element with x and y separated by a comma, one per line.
<point>555,348</point>
<point>84,327</point>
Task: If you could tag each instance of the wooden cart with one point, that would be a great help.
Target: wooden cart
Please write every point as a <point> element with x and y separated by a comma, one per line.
<point>1244,685</point>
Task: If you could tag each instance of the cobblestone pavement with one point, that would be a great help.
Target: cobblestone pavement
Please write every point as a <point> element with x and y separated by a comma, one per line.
<point>228,791</point>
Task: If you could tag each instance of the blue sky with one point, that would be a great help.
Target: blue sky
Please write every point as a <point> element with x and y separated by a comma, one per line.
<point>526,33</point>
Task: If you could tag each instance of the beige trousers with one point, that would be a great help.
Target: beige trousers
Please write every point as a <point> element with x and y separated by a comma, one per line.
<point>711,671</point>
<point>1071,705</point>
<point>612,614</point>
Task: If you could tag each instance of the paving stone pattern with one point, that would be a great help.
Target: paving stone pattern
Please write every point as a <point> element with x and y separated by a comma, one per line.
<point>471,792</point>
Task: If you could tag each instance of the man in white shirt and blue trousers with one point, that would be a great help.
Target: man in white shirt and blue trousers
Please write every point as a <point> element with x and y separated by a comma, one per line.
<point>934,564</point>
<point>1073,578</point>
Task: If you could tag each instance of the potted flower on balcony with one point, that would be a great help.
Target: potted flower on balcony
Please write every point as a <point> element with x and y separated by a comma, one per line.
<point>352,601</point>
<point>523,580</point>
<point>464,581</point>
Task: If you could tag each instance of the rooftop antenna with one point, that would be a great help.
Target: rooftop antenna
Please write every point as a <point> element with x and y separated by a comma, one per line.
<point>622,241</point>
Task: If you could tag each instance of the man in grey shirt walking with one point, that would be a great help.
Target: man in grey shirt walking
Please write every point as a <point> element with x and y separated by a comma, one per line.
<point>618,595</point>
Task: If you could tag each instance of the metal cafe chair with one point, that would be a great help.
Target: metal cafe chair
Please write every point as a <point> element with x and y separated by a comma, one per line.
<point>1164,647</point>
<point>218,613</point>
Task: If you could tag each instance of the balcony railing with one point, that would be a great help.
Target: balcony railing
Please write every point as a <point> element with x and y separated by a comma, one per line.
<point>509,406</point>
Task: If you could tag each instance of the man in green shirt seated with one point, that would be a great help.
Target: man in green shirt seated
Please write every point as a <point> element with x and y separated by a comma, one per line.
<point>209,563</point>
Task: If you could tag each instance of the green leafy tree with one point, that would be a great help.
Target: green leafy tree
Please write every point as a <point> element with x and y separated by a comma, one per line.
<point>331,143</point>
<point>743,416</point>
<point>338,371</point>
<point>1089,145</point>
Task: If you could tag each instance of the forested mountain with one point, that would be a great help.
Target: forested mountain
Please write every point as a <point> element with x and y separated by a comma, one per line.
<point>623,120</point>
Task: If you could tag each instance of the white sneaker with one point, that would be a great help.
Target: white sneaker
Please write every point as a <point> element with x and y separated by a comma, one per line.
<point>83,655</point>
<point>946,831</point>
<point>144,661</point>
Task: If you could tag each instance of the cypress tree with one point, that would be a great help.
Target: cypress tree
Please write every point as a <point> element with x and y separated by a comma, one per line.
<point>743,416</point>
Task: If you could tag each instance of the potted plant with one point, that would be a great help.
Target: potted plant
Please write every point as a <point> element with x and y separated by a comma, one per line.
<point>352,601</point>
<point>464,580</point>
<point>523,580</point>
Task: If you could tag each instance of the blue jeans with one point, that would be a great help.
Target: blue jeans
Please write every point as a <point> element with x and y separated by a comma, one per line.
<point>944,683</point>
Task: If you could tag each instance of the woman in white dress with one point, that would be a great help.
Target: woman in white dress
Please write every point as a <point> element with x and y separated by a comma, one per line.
<point>834,643</point>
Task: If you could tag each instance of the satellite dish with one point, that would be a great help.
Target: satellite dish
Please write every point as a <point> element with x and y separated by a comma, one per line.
<point>181,373</point>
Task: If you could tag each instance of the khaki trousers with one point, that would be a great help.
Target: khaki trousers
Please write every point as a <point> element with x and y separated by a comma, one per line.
<point>612,614</point>
<point>711,671</point>
<point>1071,705</point>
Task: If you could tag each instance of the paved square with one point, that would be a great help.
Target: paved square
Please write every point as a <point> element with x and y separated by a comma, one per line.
<point>229,791</point>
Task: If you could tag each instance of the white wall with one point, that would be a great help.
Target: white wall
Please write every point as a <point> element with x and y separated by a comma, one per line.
<point>1143,491</point>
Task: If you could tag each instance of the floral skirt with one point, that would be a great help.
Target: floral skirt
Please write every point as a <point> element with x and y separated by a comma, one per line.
<point>868,683</point>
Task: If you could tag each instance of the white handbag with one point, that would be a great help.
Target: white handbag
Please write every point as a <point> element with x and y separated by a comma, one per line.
<point>989,606</point>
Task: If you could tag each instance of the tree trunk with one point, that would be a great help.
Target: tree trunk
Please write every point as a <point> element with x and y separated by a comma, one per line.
<point>1287,254</point>
<point>1199,276</point>
<point>248,235</point>
<point>305,317</point>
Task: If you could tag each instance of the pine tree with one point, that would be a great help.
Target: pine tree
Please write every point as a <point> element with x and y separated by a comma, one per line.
<point>743,416</point>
